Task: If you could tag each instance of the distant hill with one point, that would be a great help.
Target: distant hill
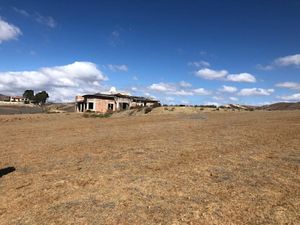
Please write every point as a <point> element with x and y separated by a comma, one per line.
<point>60,107</point>
<point>3,97</point>
<point>275,106</point>
<point>281,106</point>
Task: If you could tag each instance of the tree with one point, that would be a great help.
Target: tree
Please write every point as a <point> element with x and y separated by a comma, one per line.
<point>29,94</point>
<point>41,97</point>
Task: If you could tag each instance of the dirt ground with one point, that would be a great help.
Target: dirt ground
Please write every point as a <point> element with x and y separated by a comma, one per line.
<point>7,109</point>
<point>19,109</point>
<point>202,168</point>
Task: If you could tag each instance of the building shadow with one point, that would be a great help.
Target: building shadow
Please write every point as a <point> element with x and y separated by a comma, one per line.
<point>7,170</point>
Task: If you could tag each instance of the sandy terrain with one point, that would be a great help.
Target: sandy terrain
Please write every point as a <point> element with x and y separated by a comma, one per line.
<point>201,168</point>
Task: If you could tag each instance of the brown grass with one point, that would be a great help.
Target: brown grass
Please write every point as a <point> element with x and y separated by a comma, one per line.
<point>206,168</point>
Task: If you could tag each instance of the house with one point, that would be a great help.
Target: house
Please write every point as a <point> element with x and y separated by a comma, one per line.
<point>13,99</point>
<point>104,103</point>
<point>17,99</point>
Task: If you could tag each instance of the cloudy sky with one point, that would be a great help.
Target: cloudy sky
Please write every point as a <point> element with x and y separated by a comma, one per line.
<point>191,52</point>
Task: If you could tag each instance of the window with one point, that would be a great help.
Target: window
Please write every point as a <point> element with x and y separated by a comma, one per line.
<point>110,106</point>
<point>91,105</point>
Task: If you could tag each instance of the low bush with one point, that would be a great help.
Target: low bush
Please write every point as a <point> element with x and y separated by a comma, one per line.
<point>97,115</point>
<point>148,109</point>
<point>169,109</point>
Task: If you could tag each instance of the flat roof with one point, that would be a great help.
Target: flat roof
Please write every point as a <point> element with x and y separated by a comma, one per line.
<point>112,96</point>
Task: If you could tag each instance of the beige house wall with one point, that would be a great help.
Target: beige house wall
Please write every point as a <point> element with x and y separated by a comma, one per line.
<point>101,105</point>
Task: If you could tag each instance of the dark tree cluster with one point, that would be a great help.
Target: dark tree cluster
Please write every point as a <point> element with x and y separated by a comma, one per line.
<point>39,98</point>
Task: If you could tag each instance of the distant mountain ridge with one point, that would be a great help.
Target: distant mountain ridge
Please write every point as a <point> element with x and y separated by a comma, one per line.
<point>275,106</point>
<point>3,97</point>
<point>281,106</point>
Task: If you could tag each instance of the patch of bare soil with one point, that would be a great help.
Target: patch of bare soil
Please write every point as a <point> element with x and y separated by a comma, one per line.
<point>60,107</point>
<point>206,168</point>
<point>19,109</point>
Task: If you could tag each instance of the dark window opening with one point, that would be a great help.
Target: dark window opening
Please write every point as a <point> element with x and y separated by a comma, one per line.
<point>91,105</point>
<point>110,106</point>
<point>124,106</point>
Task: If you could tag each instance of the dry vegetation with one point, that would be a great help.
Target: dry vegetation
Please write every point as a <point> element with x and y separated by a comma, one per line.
<point>197,168</point>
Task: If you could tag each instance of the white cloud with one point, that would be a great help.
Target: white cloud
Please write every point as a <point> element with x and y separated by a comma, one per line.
<point>242,77</point>
<point>210,74</point>
<point>8,31</point>
<point>37,17</point>
<point>233,99</point>
<point>177,89</point>
<point>115,68</point>
<point>113,90</point>
<point>45,20</point>
<point>162,87</point>
<point>229,89</point>
<point>115,33</point>
<point>255,92</point>
<point>61,82</point>
<point>198,91</point>
<point>184,84</point>
<point>266,68</point>
<point>217,98</point>
<point>289,60</point>
<point>115,38</point>
<point>201,91</point>
<point>199,64</point>
<point>149,95</point>
<point>212,103</point>
<point>135,78</point>
<point>290,85</point>
<point>169,99</point>
<point>265,103</point>
<point>21,11</point>
<point>293,97</point>
<point>181,93</point>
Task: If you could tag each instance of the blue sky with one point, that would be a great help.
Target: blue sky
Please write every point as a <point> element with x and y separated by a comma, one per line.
<point>191,52</point>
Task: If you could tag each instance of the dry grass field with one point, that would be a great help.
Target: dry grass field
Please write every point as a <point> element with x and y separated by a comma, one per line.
<point>202,168</point>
